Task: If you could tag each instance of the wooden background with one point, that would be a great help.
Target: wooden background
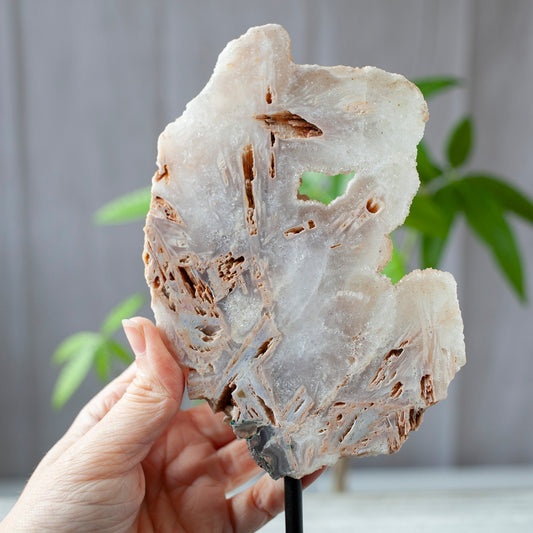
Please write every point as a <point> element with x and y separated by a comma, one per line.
<point>86,87</point>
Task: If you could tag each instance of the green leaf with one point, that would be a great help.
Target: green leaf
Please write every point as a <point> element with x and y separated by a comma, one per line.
<point>324,188</point>
<point>73,344</point>
<point>120,352</point>
<point>340,182</point>
<point>485,217</point>
<point>131,206</point>
<point>508,197</point>
<point>427,217</point>
<point>395,269</point>
<point>460,142</point>
<point>433,246</point>
<point>72,374</point>
<point>449,200</point>
<point>107,352</point>
<point>428,170</point>
<point>435,85</point>
<point>432,249</point>
<point>315,187</point>
<point>102,362</point>
<point>125,309</point>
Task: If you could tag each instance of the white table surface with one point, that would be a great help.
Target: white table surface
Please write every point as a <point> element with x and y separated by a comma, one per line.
<point>468,500</point>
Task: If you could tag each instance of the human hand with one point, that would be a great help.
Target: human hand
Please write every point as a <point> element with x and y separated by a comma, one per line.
<point>133,461</point>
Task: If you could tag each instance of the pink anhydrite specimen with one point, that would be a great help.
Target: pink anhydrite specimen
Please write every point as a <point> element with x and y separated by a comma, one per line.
<point>276,302</point>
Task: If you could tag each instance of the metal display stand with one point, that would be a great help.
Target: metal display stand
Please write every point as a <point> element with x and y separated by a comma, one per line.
<point>293,505</point>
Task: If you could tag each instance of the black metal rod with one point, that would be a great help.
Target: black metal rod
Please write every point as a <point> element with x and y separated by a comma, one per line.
<point>293,506</point>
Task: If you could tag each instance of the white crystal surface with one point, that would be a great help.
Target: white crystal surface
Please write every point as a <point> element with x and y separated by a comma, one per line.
<point>276,303</point>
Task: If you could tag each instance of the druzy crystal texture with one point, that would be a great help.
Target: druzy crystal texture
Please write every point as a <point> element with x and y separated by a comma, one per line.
<point>275,302</point>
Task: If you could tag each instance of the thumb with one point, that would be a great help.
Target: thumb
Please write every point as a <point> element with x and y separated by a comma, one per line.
<point>127,432</point>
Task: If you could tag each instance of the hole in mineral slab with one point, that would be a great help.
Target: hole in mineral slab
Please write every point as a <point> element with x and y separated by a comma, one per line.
<point>396,390</point>
<point>209,331</point>
<point>163,173</point>
<point>323,188</point>
<point>187,281</point>
<point>372,206</point>
<point>415,417</point>
<point>395,352</point>
<point>268,411</point>
<point>225,400</point>
<point>299,406</point>
<point>264,347</point>
<point>288,125</point>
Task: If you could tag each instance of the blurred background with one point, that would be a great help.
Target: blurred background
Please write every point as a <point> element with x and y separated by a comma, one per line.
<point>87,86</point>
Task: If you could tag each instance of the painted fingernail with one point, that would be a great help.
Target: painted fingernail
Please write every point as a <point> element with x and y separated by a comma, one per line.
<point>135,334</point>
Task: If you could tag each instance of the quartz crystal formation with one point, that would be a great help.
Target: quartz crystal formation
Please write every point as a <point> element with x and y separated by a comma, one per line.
<point>274,302</point>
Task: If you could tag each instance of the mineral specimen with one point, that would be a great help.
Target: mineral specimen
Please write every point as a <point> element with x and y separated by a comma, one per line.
<point>276,302</point>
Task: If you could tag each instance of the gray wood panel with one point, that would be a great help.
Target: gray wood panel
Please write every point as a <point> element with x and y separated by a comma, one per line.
<point>86,87</point>
<point>16,397</point>
<point>496,425</point>
<point>88,81</point>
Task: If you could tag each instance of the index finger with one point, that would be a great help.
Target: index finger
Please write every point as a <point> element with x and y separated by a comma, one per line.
<point>258,504</point>
<point>211,425</point>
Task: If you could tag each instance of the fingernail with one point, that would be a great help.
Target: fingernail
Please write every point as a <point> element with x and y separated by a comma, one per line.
<point>135,334</point>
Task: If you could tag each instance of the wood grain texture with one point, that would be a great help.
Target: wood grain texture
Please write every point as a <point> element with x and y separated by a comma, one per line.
<point>16,415</point>
<point>496,424</point>
<point>86,87</point>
